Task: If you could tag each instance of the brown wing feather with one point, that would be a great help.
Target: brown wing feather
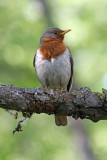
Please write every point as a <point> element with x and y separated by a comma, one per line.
<point>70,81</point>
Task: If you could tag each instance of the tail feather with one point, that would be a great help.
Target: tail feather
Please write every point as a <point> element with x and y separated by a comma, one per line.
<point>61,120</point>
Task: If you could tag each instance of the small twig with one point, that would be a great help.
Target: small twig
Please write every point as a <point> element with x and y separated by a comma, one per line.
<point>18,128</point>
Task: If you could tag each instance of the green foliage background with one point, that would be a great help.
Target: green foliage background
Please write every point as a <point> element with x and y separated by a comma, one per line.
<point>21,25</point>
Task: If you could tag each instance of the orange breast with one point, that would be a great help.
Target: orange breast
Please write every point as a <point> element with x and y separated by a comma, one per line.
<point>51,48</point>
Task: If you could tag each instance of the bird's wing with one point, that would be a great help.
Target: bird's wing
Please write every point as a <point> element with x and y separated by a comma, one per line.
<point>71,80</point>
<point>34,60</point>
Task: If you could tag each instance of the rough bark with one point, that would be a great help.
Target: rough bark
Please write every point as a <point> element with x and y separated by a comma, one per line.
<point>80,103</point>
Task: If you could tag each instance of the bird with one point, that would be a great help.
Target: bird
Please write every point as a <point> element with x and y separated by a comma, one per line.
<point>53,64</point>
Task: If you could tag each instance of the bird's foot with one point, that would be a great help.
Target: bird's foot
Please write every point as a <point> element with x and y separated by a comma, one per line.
<point>46,88</point>
<point>60,90</point>
<point>63,90</point>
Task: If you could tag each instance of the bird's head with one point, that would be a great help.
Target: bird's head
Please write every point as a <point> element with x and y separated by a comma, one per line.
<point>53,33</point>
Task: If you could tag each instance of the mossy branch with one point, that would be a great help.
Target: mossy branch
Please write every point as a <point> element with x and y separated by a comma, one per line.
<point>80,103</point>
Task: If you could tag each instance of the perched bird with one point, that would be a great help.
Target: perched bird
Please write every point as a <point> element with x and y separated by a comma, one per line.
<point>54,64</point>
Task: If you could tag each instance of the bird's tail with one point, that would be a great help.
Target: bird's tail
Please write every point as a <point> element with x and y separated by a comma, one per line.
<point>61,120</point>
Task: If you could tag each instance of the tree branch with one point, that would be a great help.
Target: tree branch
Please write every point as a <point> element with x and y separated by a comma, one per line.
<point>81,103</point>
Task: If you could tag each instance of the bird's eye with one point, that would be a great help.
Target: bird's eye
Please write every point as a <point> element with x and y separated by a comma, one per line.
<point>55,33</point>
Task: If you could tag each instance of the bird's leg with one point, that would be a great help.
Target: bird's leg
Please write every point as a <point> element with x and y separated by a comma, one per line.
<point>59,90</point>
<point>62,90</point>
<point>46,88</point>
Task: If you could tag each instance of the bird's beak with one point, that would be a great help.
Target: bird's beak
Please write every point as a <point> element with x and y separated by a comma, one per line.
<point>65,31</point>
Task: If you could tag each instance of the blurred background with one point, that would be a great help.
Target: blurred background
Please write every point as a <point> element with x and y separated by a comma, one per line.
<point>21,25</point>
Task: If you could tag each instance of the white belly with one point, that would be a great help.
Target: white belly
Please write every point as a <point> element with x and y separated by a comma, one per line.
<point>55,73</point>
